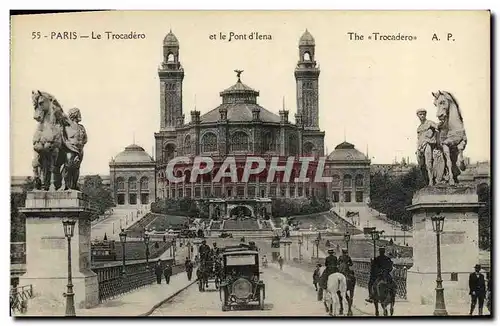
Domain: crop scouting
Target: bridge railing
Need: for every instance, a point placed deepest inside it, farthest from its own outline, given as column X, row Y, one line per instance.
column 113, row 283
column 361, row 268
column 19, row 297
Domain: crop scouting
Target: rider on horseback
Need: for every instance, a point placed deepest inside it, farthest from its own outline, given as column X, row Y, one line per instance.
column 344, row 262
column 381, row 268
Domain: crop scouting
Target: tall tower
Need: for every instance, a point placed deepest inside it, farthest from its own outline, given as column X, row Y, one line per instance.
column 171, row 75
column 306, row 76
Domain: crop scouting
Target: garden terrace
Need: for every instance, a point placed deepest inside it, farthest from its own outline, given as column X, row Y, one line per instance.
column 363, row 248
column 136, row 250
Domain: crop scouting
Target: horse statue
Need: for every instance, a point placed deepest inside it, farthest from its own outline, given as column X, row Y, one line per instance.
column 335, row 291
column 58, row 143
column 451, row 139
column 350, row 284
column 384, row 294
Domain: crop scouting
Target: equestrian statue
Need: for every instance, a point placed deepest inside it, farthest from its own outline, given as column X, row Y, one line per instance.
column 440, row 145
column 57, row 143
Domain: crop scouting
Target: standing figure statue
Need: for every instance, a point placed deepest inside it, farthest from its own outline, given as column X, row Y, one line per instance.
column 74, row 138
column 58, row 141
column 426, row 143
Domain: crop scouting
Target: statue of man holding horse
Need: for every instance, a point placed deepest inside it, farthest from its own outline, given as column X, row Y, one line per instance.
column 440, row 148
column 58, row 143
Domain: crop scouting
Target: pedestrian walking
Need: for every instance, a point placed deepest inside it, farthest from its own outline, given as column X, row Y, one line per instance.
column 168, row 272
column 316, row 276
column 189, row 268
column 280, row 261
column 477, row 289
column 158, row 271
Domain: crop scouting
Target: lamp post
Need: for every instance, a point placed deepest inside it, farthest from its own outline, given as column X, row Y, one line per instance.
column 69, row 228
column 300, row 249
column 347, row 238
column 317, row 247
column 123, row 239
column 405, row 228
column 146, row 243
column 437, row 226
column 375, row 236
column 174, row 244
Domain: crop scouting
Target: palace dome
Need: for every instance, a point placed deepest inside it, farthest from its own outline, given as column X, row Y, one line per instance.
column 240, row 101
column 306, row 39
column 131, row 155
column 346, row 152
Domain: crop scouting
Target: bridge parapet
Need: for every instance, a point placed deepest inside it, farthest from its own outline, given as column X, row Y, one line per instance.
column 113, row 283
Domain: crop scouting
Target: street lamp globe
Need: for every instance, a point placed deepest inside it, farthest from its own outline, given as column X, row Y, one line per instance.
column 123, row 236
column 437, row 223
column 347, row 237
column 375, row 235
column 316, row 241
column 69, row 228
column 146, row 239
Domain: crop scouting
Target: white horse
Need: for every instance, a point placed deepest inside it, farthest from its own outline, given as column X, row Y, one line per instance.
column 337, row 283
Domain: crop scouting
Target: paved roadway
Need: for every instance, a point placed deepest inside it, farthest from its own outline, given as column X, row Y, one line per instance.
column 285, row 296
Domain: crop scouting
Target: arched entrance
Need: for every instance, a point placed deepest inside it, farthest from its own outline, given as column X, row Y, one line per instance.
column 241, row 211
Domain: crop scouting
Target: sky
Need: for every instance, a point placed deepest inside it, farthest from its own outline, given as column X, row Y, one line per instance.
column 369, row 90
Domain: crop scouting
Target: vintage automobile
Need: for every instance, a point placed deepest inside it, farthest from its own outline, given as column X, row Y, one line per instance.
column 241, row 284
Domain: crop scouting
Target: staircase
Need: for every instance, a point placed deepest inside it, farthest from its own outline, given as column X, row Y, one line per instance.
column 113, row 223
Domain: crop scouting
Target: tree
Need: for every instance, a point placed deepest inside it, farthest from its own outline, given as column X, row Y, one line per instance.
column 484, row 216
column 17, row 219
column 391, row 195
column 99, row 195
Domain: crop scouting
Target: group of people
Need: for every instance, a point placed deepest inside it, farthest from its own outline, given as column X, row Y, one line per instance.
column 163, row 270
column 333, row 264
column 381, row 267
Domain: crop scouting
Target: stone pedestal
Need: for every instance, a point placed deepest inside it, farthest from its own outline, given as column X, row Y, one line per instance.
column 47, row 249
column 459, row 243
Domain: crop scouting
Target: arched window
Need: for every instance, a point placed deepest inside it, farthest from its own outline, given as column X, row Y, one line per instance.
column 336, row 181
column 170, row 57
column 187, row 176
column 307, row 56
column 120, row 183
column 359, row 180
column 268, row 142
column 168, row 152
column 209, row 142
column 308, row 149
column 292, row 144
column 144, row 183
column 187, row 145
column 347, row 181
column 239, row 141
column 132, row 183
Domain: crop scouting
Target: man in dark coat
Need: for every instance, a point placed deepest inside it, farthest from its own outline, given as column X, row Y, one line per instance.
column 316, row 276
column 381, row 267
column 204, row 250
column 188, row 264
column 168, row 272
column 331, row 262
column 158, row 271
column 477, row 289
column 344, row 262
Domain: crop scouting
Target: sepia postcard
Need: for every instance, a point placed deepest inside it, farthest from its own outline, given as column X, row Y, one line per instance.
column 251, row 163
